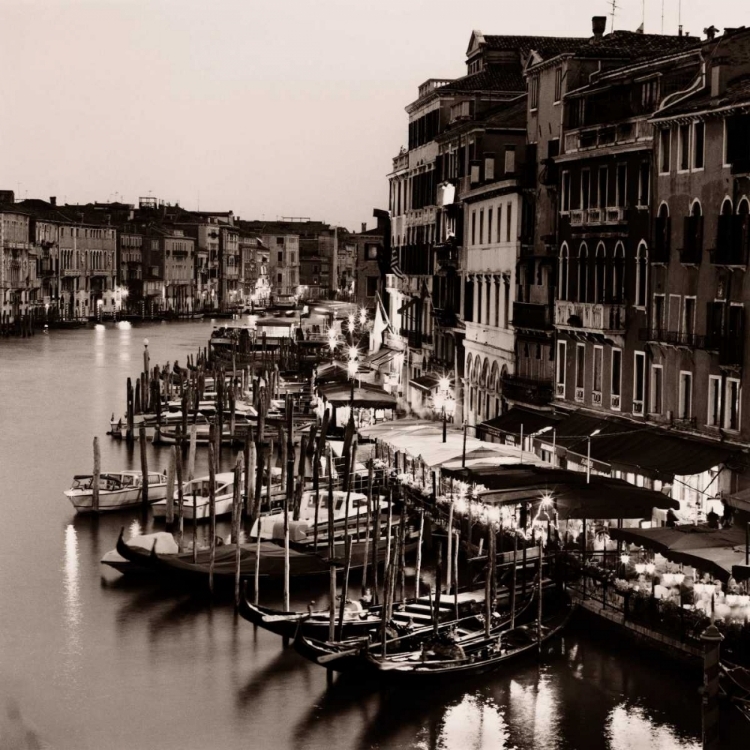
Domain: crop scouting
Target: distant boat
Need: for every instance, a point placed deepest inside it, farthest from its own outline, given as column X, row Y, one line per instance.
column 223, row 494
column 117, row 490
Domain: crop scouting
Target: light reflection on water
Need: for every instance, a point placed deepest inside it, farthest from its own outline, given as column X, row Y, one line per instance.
column 130, row 651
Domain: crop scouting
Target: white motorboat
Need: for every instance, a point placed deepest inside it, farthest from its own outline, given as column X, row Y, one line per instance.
column 224, row 495
column 118, row 489
column 271, row 522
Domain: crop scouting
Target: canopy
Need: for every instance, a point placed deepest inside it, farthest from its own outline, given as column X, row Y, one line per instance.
column 601, row 498
column 517, row 418
column 421, row 437
column 711, row 550
column 340, row 394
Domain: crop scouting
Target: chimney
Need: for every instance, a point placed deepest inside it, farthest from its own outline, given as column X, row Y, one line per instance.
column 53, row 200
column 599, row 25
column 364, row 227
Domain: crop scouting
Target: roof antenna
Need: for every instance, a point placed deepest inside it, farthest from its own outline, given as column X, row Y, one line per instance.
column 662, row 16
column 614, row 8
column 679, row 17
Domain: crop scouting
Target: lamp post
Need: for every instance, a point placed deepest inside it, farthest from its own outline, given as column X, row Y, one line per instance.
column 445, row 403
column 588, row 455
column 352, row 368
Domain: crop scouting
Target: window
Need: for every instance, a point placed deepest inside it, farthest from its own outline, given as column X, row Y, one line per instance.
column 580, row 370
column 278, row 278
column 372, row 286
column 699, row 142
column 473, row 227
column 279, row 240
column 644, row 183
column 622, row 181
column 602, row 189
column 481, row 227
column 641, row 275
column 560, row 367
column 685, row 408
column 657, row 384
column 558, row 83
column 497, row 303
column 499, row 221
column 510, row 159
column 281, row 256
column 489, row 225
column 649, row 93
column 639, row 382
column 562, row 291
column 585, row 188
column 565, row 197
column 508, row 221
column 688, row 319
column 714, row 401
column 657, row 313
column 489, row 167
column 732, row 401
column 598, row 362
column 616, row 378
column 534, row 91
column 684, row 148
column 506, row 301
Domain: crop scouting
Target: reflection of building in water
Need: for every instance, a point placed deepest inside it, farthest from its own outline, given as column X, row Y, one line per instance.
column 536, row 708
column 474, row 722
column 73, row 613
column 629, row 727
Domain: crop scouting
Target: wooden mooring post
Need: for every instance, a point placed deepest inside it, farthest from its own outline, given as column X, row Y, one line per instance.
column 96, row 477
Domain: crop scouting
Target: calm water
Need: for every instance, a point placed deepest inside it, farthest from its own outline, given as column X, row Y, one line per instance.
column 89, row 660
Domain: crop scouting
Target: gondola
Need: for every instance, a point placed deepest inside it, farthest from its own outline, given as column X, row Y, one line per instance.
column 469, row 656
column 735, row 682
column 353, row 654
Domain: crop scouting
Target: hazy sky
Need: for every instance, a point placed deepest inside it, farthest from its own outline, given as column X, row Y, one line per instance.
column 286, row 108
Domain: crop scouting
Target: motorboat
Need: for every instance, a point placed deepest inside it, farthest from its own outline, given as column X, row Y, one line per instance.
column 199, row 488
column 117, row 490
column 271, row 523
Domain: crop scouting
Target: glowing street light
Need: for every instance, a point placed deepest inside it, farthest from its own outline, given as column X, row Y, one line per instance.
column 363, row 316
column 444, row 402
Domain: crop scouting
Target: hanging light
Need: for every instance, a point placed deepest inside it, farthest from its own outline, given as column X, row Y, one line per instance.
column 650, row 568
column 640, row 568
column 625, row 558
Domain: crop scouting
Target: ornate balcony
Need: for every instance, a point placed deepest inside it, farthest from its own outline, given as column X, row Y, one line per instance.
column 529, row 315
column 594, row 317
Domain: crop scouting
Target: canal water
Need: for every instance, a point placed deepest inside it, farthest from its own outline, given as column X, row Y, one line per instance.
column 90, row 660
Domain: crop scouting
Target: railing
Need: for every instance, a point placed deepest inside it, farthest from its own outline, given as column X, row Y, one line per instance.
column 530, row 315
column 576, row 217
column 560, row 390
column 448, row 256
column 594, row 136
column 595, row 316
column 594, row 216
column 675, row 338
column 615, row 215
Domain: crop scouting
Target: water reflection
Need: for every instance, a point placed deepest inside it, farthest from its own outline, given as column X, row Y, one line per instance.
column 630, row 728
column 73, row 609
column 474, row 722
column 536, row 708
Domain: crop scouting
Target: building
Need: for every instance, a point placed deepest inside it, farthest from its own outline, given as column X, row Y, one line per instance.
column 283, row 262
column 254, row 256
column 19, row 284
column 370, row 256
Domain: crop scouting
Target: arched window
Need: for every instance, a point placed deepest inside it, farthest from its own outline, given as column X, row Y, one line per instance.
column 618, row 274
column 641, row 275
column 477, row 369
column 743, row 229
column 468, row 371
column 692, row 250
column 583, row 273
column 662, row 235
column 562, row 291
column 485, row 373
column 600, row 279
column 494, row 384
column 725, row 245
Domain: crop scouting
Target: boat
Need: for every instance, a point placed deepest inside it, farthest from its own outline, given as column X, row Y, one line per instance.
column 271, row 524
column 160, row 541
column 735, row 684
column 117, row 490
column 452, row 657
column 223, row 495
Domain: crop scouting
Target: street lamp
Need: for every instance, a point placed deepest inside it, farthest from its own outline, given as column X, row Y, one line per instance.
column 363, row 316
column 444, row 402
column 588, row 455
column 352, row 368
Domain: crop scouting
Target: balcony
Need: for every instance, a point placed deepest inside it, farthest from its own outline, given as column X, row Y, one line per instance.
column 577, row 217
column 534, row 316
column 415, row 339
column 527, row 390
column 596, row 317
column 448, row 256
column 580, row 217
column 602, row 136
column 673, row 338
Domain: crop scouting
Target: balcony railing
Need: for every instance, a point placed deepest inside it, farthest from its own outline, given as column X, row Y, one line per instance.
column 592, row 316
column 448, row 256
column 530, row 315
column 415, row 339
column 528, row 390
column 599, row 136
column 592, row 216
column 730, row 348
column 675, row 338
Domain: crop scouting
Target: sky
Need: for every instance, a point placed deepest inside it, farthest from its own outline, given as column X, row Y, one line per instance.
column 268, row 109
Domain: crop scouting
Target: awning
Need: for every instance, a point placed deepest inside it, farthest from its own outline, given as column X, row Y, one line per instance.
column 739, row 500
column 601, row 498
column 711, row 550
column 426, row 383
column 645, row 449
column 383, row 357
column 512, row 421
column 341, row 395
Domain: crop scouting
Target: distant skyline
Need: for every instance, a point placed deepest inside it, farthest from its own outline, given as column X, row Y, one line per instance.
column 267, row 109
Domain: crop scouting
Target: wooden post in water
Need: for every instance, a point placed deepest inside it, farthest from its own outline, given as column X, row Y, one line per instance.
column 438, row 578
column 513, row 582
column 144, row 466
column 236, row 523
column 389, row 528
column 95, row 478
column 368, row 526
column 493, row 564
column 257, row 556
column 191, row 452
column 180, row 501
column 171, row 469
column 345, row 588
column 288, row 496
column 455, row 575
column 332, row 562
column 711, row 638
column 539, row 601
column 376, row 551
column 268, row 478
column 402, row 555
column 417, row 582
column 488, row 587
column 195, row 527
column 130, row 407
column 448, row 577
column 212, row 512
column 249, row 462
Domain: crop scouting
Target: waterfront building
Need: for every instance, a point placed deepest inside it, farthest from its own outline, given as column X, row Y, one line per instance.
column 254, row 256
column 370, row 254
column 283, row 262
column 130, row 252
column 19, row 284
